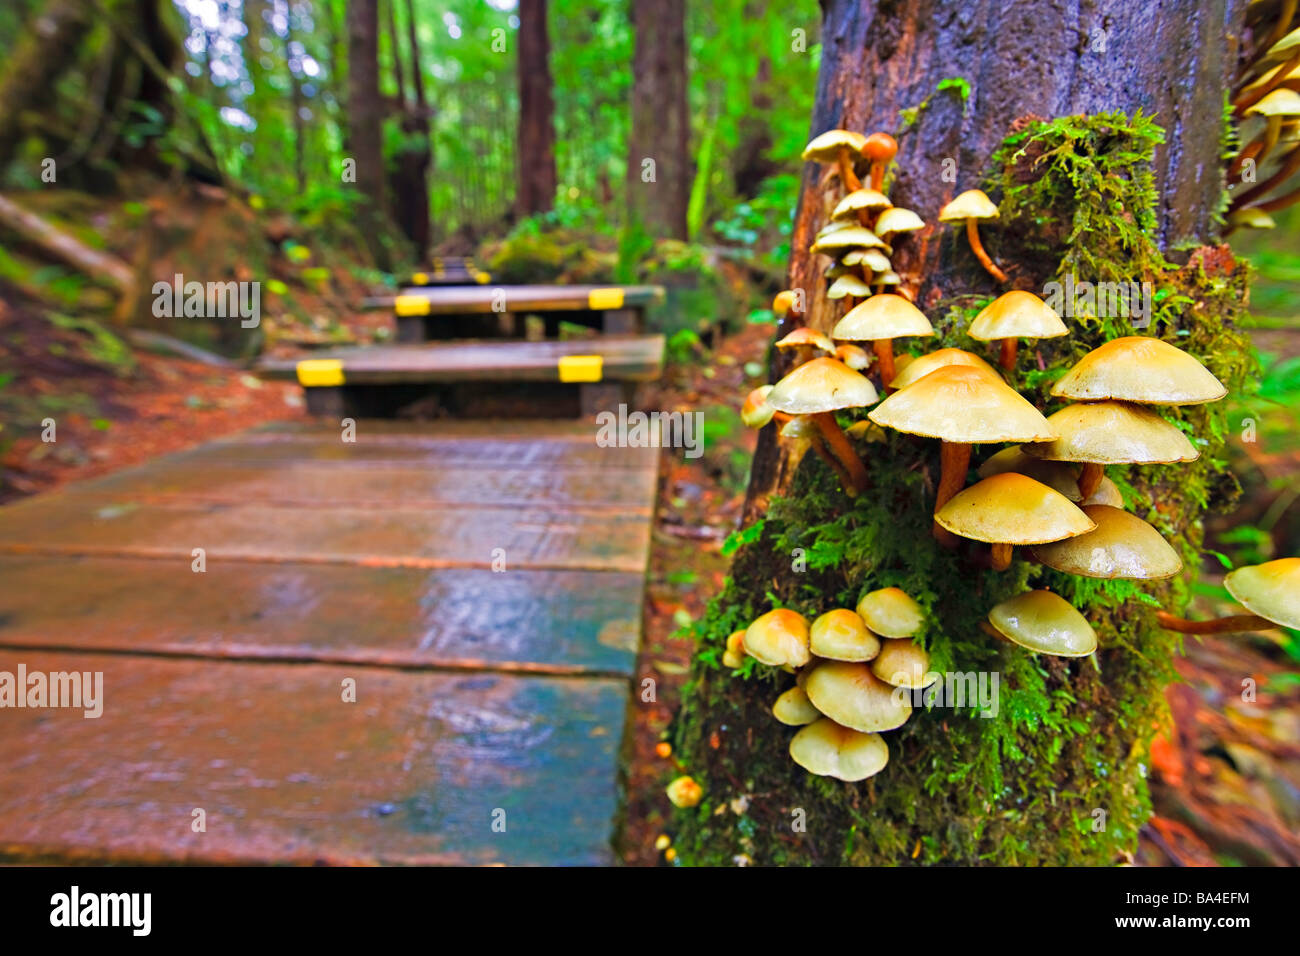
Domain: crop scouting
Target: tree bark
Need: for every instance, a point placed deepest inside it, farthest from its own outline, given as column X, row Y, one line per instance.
column 959, row 788
column 536, row 154
column 659, row 162
column 366, row 113
column 47, row 47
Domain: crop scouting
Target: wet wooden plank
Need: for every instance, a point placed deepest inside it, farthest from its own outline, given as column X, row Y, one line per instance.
column 635, row 358
column 414, row 772
column 528, row 537
column 382, row 485
column 563, row 622
column 435, row 451
column 460, row 300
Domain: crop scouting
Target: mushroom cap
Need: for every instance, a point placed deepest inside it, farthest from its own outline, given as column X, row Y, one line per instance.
column 902, row 663
column 1017, row 315
column 853, row 356
column 826, row 749
column 822, row 385
column 1251, row 218
column 868, row 199
column 734, row 655
column 806, row 336
column 866, row 431
column 1288, row 42
column 1107, row 493
column 685, row 792
column 897, row 219
column 801, row 427
column 960, row 403
column 847, row 285
column 1057, row 475
column 890, row 612
column 778, row 638
column 756, row 412
column 836, row 225
column 972, row 204
column 1113, row 433
column 850, row 237
column 1271, row 590
column 923, row 365
column 783, row 302
column 880, row 147
column 1121, row 546
column 840, row 635
column 851, row 695
column 888, row 278
column 794, row 709
column 1280, row 102
column 1046, row 623
column 875, row 260
column 1012, row 509
column 1138, row 368
column 883, row 316
column 827, row 146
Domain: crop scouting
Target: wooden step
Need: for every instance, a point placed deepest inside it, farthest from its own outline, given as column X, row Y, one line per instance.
column 416, row 771
column 633, row 358
column 463, row 300
column 533, row 621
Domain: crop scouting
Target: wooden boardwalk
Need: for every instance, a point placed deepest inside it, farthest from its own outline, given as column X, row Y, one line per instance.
column 479, row 584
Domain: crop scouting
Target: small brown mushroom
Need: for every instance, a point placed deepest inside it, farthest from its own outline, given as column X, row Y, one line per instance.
column 970, row 207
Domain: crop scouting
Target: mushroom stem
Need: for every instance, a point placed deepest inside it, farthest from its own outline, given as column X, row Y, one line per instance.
column 1008, row 357
column 848, row 177
column 884, row 349
column 877, row 175
column 1219, row 625
column 1248, row 153
column 954, row 462
column 1280, row 75
column 1284, row 172
column 1281, row 202
column 1272, row 131
column 842, row 448
column 1090, row 478
column 973, row 235
column 1002, row 556
column 819, row 446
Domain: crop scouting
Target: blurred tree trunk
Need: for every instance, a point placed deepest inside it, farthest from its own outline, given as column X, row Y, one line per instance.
column 409, row 176
column 365, row 134
column 535, row 156
column 659, row 161
column 1032, row 60
column 47, row 47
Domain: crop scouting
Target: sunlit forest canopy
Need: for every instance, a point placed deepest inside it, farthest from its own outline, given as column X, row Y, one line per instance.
column 264, row 89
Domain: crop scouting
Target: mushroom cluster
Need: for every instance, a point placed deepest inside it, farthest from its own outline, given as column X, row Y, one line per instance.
column 1266, row 102
column 849, row 665
column 1042, row 488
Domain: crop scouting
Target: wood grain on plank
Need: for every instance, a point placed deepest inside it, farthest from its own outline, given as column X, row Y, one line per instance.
column 527, row 537
column 415, row 771
column 553, row 621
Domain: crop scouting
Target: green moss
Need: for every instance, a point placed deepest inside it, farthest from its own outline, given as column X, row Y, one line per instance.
column 1069, row 743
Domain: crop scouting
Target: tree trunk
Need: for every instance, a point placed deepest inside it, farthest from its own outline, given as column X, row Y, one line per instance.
column 1057, row 775
column 366, row 115
column 536, row 154
column 659, row 164
column 47, row 47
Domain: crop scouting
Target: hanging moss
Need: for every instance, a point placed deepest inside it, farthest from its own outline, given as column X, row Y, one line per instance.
column 1057, row 776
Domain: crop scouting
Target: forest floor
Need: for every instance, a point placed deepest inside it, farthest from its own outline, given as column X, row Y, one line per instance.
column 1225, row 782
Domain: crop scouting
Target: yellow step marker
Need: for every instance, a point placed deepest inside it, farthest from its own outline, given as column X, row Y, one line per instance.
column 599, row 299
column 420, row 278
column 411, row 305
column 318, row 372
column 581, row 368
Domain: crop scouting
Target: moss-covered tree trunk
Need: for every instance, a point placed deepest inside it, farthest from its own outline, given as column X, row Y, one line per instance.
column 1099, row 129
